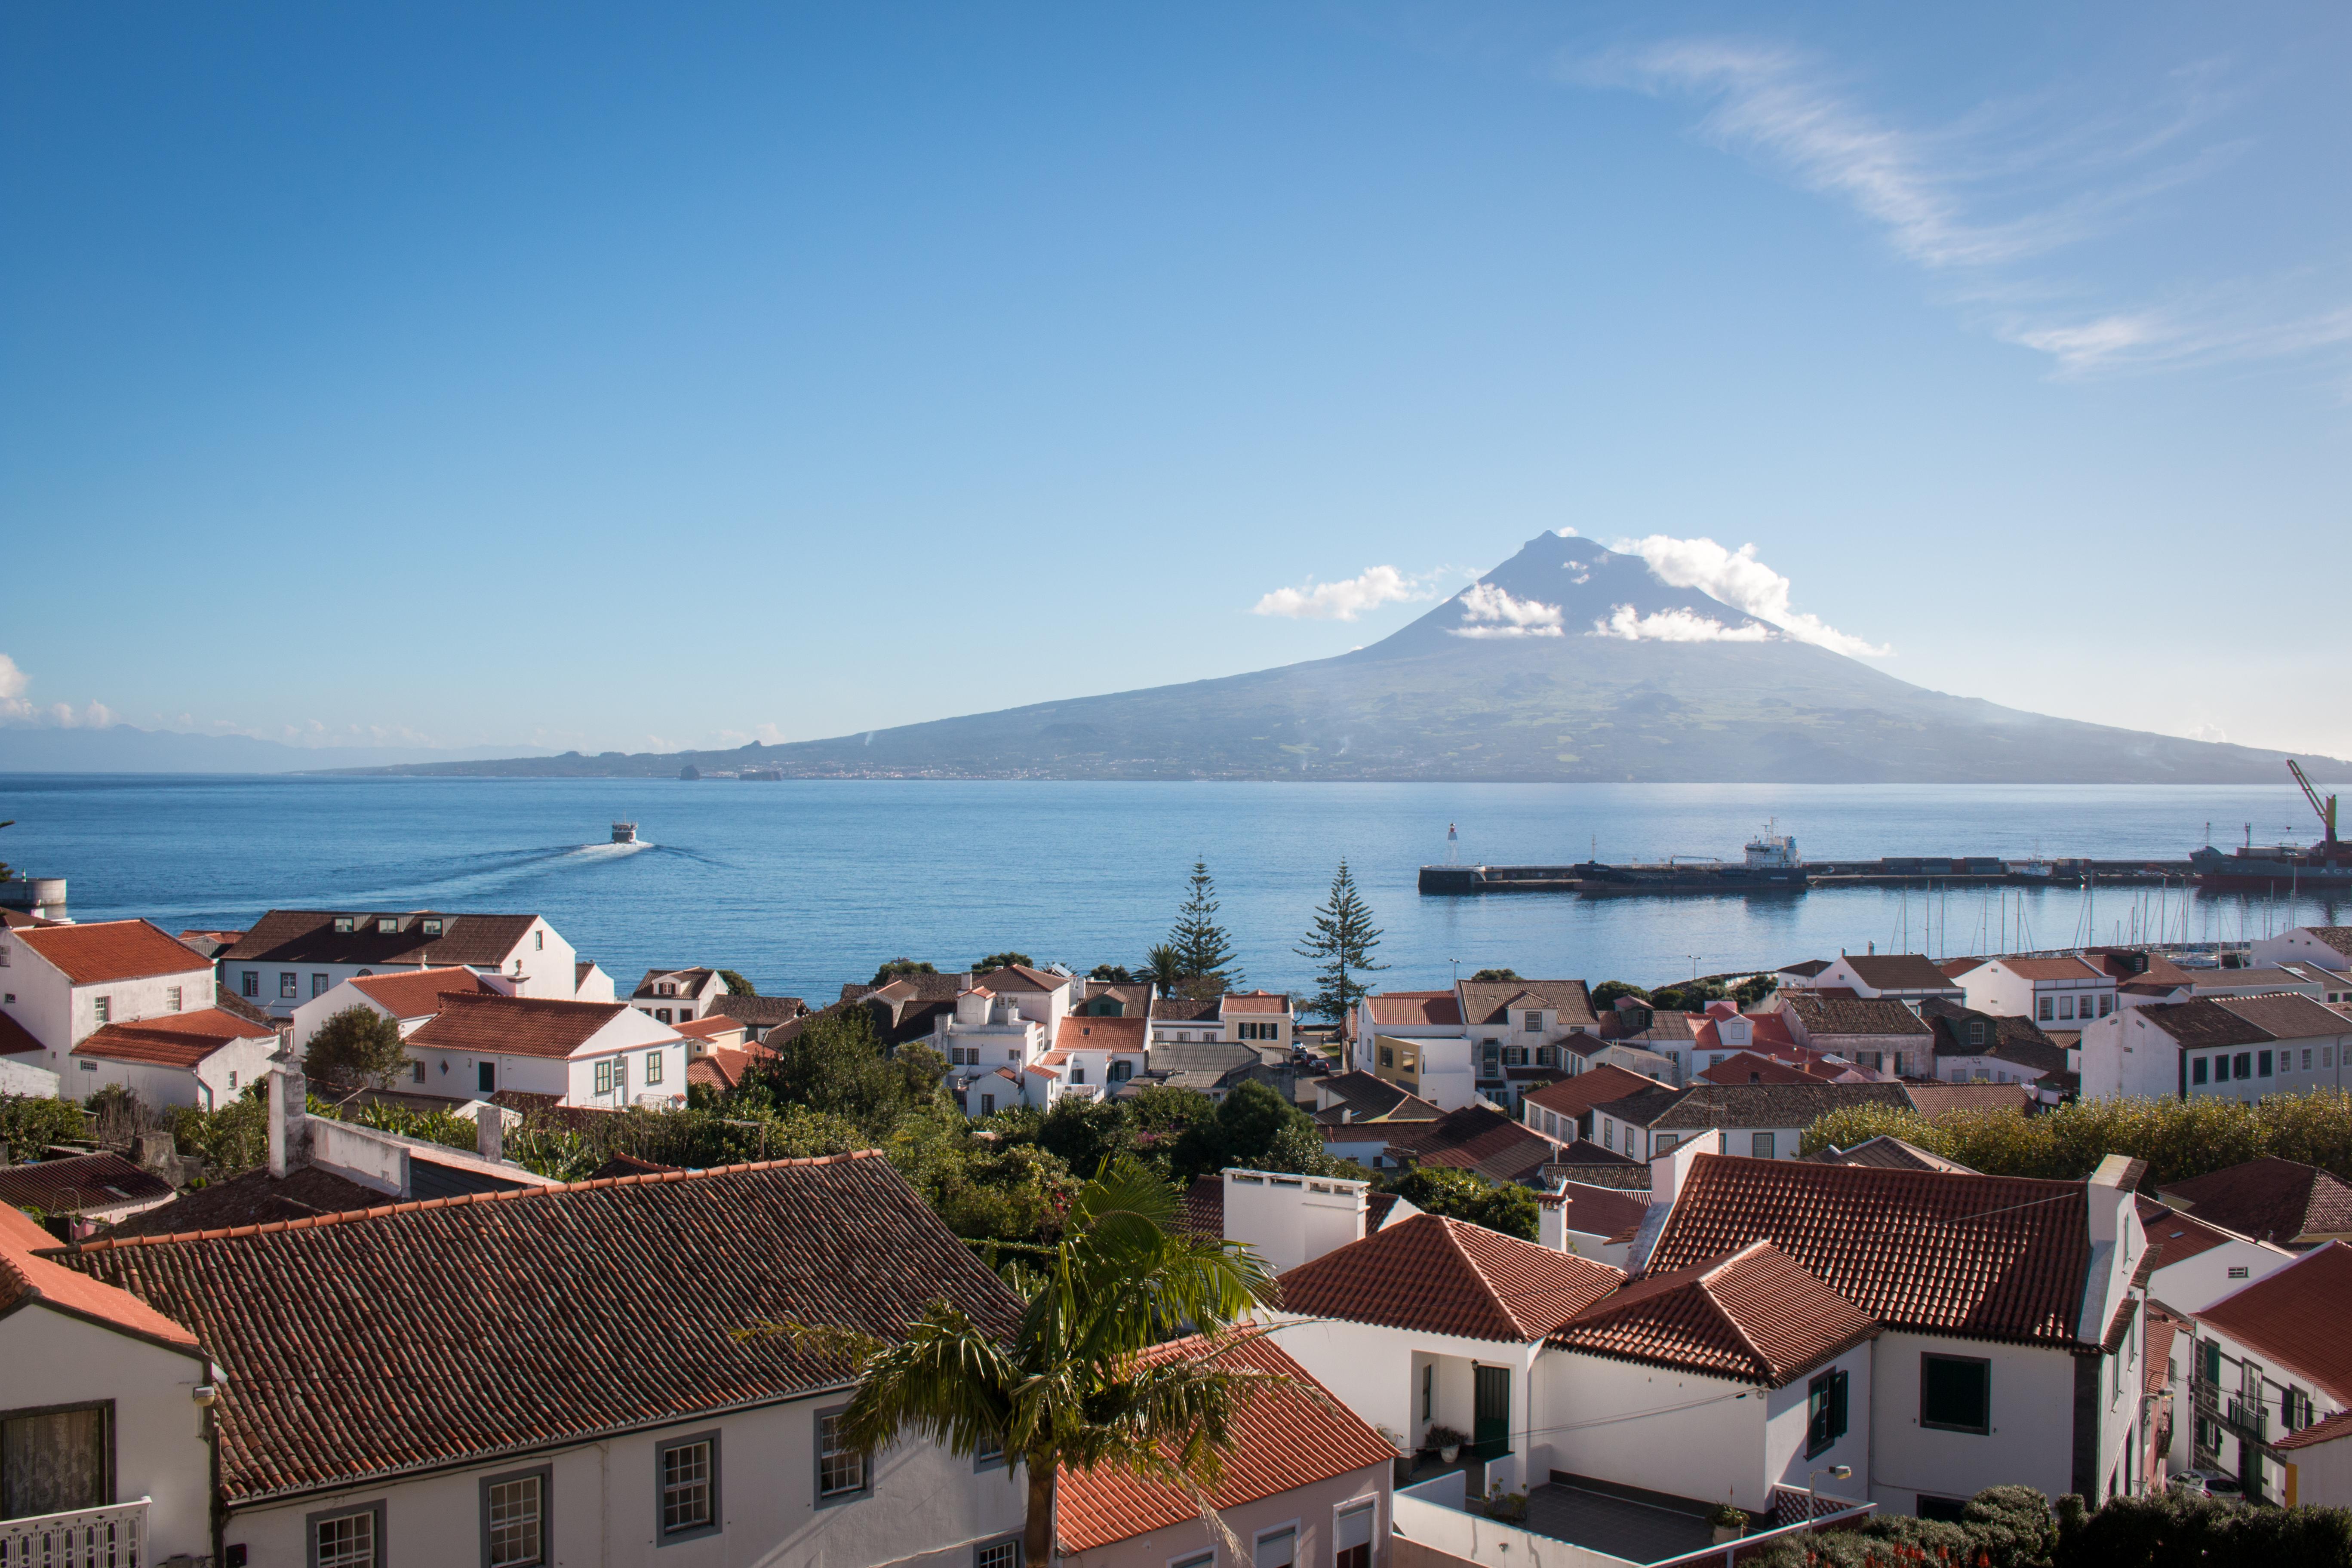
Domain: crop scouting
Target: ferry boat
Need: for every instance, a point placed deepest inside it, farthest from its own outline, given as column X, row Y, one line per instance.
column 625, row 833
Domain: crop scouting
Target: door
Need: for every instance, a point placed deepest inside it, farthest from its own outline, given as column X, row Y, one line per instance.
column 486, row 1077
column 54, row 1462
column 1491, row 1411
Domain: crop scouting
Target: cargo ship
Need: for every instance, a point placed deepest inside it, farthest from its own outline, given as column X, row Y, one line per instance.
column 1770, row 864
column 2252, row 867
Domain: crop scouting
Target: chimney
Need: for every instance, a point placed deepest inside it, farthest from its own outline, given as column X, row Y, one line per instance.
column 1292, row 1219
column 289, row 1133
column 489, row 1131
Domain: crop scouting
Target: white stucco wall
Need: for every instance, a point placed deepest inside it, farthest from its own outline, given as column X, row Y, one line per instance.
column 2298, row 945
column 1788, row 1417
column 926, row 1507
column 159, row 1442
column 220, row 1078
column 2321, row 1475
column 1648, row 1427
column 2031, row 1440
column 2196, row 1283
column 61, row 1015
column 1376, row 1373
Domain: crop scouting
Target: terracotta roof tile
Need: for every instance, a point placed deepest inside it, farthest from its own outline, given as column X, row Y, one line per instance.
column 315, row 1321
column 254, row 1197
column 2324, row 1431
column 1255, row 1001
column 1755, row 1315
column 2285, row 1015
column 1747, row 1067
column 1021, row 977
column 1475, row 1137
column 172, row 1039
column 1444, row 1276
column 417, row 993
column 1890, row 1154
column 2270, row 1199
column 1597, row 1211
column 2296, row 1316
column 760, row 1011
column 1281, row 1440
column 2202, row 1022
column 1822, row 1013
column 87, row 1183
column 516, row 1025
column 2052, row 968
column 1077, row 1032
column 1897, row 971
column 1593, row 1086
column 1935, row 1099
column 1487, row 1001
column 1398, row 1010
column 309, row 936
column 1996, row 1257
column 27, row 1276
column 112, row 950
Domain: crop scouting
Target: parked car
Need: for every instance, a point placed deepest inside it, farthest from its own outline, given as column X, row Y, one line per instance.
column 2209, row 1483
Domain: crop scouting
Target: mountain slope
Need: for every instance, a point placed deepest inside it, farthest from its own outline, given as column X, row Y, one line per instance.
column 1510, row 680
column 127, row 749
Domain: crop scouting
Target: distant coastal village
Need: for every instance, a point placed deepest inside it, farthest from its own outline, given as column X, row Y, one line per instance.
column 358, row 1236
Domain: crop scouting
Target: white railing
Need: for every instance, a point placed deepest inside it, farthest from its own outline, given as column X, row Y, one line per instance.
column 113, row 1537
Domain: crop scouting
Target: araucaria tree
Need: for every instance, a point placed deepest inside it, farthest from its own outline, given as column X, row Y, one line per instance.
column 357, row 1048
column 1072, row 1386
column 1204, row 950
column 1341, row 942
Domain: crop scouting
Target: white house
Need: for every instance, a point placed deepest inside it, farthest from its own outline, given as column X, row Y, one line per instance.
column 1757, row 1121
column 1884, row 1034
column 203, row 1058
column 602, row 1054
column 2323, row 947
column 291, row 955
column 677, row 995
column 1896, row 977
column 2068, row 992
column 2269, row 1361
column 407, row 996
column 2233, row 1048
column 990, row 1042
column 2195, row 1262
column 60, row 985
column 709, row 1451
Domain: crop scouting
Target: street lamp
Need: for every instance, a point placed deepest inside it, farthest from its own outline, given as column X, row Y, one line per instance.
column 1813, row 1504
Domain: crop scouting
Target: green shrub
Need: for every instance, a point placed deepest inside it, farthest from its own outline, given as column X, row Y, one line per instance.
column 30, row 1124
column 2177, row 1531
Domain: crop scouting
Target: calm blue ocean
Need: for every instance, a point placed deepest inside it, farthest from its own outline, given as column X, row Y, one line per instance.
column 804, row 885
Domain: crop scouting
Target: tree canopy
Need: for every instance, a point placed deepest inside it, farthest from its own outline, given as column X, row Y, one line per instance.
column 1493, row 976
column 1006, row 959
column 1341, row 942
column 358, row 1048
column 736, row 985
column 1468, row 1195
column 899, row 966
column 1204, row 950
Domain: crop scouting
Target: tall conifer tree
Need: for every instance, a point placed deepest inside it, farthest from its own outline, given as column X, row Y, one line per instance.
column 1204, row 950
column 1341, row 942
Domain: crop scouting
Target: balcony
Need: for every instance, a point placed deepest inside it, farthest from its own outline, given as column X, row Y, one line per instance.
column 113, row 1537
column 2241, row 1417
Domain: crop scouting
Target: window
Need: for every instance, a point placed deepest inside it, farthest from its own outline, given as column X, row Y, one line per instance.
column 54, row 1461
column 1761, row 1145
column 1955, row 1392
column 1824, row 1412
column 2065, row 1006
column 1428, row 1390
column 104, row 1007
column 1388, row 1057
column 352, row 1537
column 232, row 1078
column 1666, row 1142
column 688, row 1474
column 1351, row 1535
column 1534, row 1024
column 252, row 986
column 89, row 1067
column 289, row 984
column 661, row 1015
column 2197, row 1070
column 317, row 985
column 652, row 1066
column 2262, row 1064
column 538, row 942
column 2327, row 1056
column 988, row 1105
column 989, row 1454
column 840, row 1469
column 1976, row 1031
column 1515, row 1056
column 514, row 1519
column 2106, row 1005
column 2045, row 1010
column 1608, row 1133
column 1004, row 1553
column 486, row 1078
column 604, row 1077
column 2245, row 1061
column 343, row 925
column 1546, row 1056
column 2237, row 1271
column 386, row 925
column 2307, row 1058
column 430, row 928
column 1277, row 1549
column 416, row 1073
column 171, row 1005
column 1198, row 1560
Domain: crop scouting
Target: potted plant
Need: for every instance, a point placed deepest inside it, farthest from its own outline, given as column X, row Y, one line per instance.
column 1730, row 1522
column 1446, row 1440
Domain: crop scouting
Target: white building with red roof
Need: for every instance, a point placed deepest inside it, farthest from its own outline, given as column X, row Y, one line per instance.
column 604, row 1056
column 2270, row 1360
column 61, row 983
column 408, row 997
column 203, row 1058
column 2067, row 991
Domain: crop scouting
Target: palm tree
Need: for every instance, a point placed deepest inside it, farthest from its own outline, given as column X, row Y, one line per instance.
column 1164, row 967
column 1073, row 1386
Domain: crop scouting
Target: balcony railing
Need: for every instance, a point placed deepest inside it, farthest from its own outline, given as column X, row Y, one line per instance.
column 2231, row 1408
column 114, row 1537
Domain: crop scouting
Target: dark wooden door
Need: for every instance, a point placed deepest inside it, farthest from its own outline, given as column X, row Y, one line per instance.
column 1491, row 1411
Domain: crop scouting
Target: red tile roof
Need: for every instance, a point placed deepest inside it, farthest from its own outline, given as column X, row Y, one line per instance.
column 1443, row 1276
column 112, row 950
column 491, row 1024
column 709, row 1028
column 1995, row 1258
column 2296, row 1317
column 1747, row 1067
column 2052, row 968
column 1896, row 970
column 309, row 936
column 1475, row 1137
column 1593, row 1086
column 2270, row 1199
column 1597, row 1211
column 2326, row 1431
column 417, row 993
column 86, row 1183
column 1935, row 1099
column 172, row 1039
column 722, row 1069
column 1019, row 977
column 26, row 1277
column 1410, row 1009
column 1255, row 1002
column 315, row 1321
column 1754, row 1315
column 1280, row 1440
column 1078, row 1033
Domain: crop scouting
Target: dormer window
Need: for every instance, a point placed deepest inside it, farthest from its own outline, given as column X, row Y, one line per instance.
column 432, row 928
column 1976, row 1031
column 343, row 924
column 386, row 925
column 1535, row 1023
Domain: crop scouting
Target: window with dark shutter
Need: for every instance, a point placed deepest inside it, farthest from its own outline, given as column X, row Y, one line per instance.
column 1824, row 1412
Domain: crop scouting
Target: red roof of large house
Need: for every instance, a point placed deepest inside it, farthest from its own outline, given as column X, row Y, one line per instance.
column 112, row 950
column 1076, row 1032
column 1282, row 1439
column 2296, row 1317
column 1255, row 1002
column 1749, row 1066
column 1995, row 1258
column 417, row 993
column 1754, row 1315
column 492, row 1025
column 1475, row 1137
column 1443, row 1276
column 26, row 1279
column 1593, row 1086
column 2270, row 1199
column 172, row 1039
column 1407, row 1009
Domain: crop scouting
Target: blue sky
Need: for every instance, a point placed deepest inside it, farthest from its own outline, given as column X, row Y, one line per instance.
column 670, row 376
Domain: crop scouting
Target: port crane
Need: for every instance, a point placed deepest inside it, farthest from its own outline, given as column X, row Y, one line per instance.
column 2325, row 808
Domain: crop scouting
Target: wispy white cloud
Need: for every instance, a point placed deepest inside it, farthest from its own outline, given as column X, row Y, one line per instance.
column 1348, row 597
column 1982, row 201
column 1675, row 626
column 1735, row 577
column 16, row 707
column 1489, row 611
